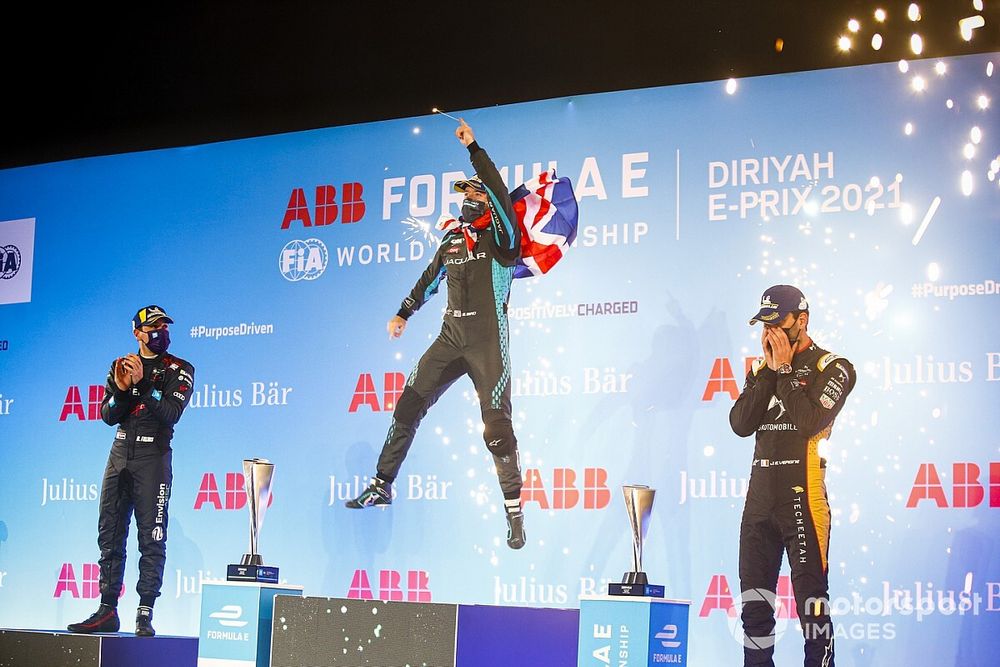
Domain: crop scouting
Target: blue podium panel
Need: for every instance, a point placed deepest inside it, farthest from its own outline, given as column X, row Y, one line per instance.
column 544, row 636
column 235, row 629
column 630, row 631
column 31, row 648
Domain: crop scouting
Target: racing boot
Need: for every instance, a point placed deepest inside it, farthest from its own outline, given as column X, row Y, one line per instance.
column 144, row 622
column 515, row 529
column 378, row 493
column 105, row 619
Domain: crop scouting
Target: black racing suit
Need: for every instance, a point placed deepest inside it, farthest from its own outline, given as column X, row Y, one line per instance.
column 786, row 508
column 138, row 474
column 474, row 334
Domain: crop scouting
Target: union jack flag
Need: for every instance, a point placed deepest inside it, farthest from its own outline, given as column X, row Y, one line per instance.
column 547, row 213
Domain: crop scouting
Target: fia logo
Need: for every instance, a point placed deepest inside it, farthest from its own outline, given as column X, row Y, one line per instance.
column 229, row 616
column 303, row 260
column 10, row 261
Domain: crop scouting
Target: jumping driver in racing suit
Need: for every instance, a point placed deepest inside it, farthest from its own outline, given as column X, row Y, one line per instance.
column 790, row 400
column 145, row 396
column 477, row 256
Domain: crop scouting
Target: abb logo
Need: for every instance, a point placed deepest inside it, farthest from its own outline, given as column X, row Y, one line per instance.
column 719, row 597
column 565, row 493
column 966, row 488
column 390, row 586
column 235, row 492
column 365, row 392
column 73, row 406
column 67, row 582
column 722, row 380
column 351, row 207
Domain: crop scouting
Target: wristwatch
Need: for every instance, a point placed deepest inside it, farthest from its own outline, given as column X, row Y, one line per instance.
column 785, row 369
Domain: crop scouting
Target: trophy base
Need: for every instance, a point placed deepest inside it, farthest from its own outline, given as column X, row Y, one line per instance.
column 263, row 574
column 635, row 578
column 251, row 559
column 637, row 590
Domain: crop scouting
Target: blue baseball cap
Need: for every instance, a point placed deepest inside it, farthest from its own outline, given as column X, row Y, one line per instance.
column 778, row 301
column 147, row 315
column 475, row 183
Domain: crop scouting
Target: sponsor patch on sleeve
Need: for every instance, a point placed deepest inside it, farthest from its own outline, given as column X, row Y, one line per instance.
column 826, row 401
column 833, row 389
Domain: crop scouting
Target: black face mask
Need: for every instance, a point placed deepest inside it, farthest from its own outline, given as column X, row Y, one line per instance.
column 788, row 333
column 159, row 341
column 472, row 210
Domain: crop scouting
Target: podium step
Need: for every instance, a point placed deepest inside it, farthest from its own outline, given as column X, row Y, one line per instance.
column 337, row 632
column 30, row 648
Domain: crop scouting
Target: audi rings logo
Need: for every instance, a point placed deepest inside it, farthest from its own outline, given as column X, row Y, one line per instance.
column 303, row 260
column 10, row 261
column 774, row 606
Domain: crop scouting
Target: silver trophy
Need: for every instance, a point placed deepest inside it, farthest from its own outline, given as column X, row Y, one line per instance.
column 639, row 505
column 257, row 476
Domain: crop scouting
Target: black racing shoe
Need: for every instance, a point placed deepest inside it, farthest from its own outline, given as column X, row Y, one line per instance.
column 378, row 493
column 515, row 529
column 105, row 619
column 144, row 622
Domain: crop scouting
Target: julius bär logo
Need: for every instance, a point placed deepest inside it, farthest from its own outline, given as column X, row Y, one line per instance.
column 722, row 380
column 351, row 208
column 366, row 394
column 73, row 405
column 967, row 489
column 565, row 494
column 390, row 586
column 303, row 260
column 10, row 261
column 233, row 496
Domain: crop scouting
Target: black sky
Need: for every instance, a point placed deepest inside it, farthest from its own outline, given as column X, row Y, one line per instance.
column 89, row 81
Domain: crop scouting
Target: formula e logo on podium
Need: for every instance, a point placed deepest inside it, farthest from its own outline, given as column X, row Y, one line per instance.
column 229, row 616
column 10, row 261
column 303, row 260
column 352, row 206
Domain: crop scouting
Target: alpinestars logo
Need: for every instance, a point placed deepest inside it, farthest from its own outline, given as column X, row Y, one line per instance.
column 10, row 261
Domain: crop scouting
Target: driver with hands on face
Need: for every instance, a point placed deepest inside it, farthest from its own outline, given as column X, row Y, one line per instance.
column 789, row 401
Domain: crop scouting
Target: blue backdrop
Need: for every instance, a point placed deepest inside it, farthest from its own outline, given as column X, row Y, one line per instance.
column 627, row 357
